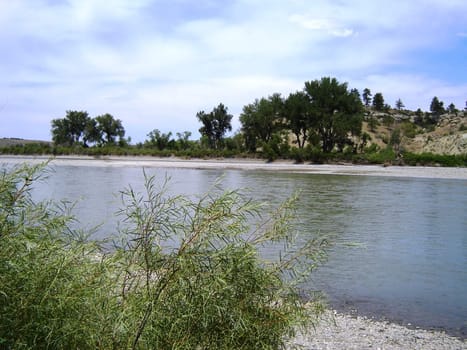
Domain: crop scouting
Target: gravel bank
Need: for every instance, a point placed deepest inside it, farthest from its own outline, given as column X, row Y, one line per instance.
column 337, row 331
column 248, row 164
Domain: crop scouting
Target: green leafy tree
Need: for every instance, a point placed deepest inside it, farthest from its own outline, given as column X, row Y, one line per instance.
column 183, row 142
column 296, row 110
column 61, row 132
column 159, row 140
column 215, row 125
column 366, row 97
column 336, row 112
column 378, row 102
column 91, row 133
column 70, row 130
column 261, row 119
column 109, row 129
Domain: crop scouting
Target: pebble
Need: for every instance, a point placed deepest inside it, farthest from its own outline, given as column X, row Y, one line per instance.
column 338, row 331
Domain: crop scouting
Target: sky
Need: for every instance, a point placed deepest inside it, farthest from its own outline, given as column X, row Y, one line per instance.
column 154, row 64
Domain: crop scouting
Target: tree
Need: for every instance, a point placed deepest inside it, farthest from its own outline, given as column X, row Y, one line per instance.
column 334, row 110
column 366, row 97
column 261, row 119
column 215, row 125
column 109, row 129
column 452, row 108
column 437, row 106
column 69, row 130
column 378, row 102
column 61, row 132
column 296, row 110
column 91, row 133
column 159, row 140
column 183, row 142
column 399, row 104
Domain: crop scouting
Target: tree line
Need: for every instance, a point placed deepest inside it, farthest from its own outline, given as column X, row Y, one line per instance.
column 324, row 118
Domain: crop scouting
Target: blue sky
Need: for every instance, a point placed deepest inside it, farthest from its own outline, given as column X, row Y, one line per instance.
column 155, row 63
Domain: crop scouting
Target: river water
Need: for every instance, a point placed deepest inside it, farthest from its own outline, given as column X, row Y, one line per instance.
column 400, row 244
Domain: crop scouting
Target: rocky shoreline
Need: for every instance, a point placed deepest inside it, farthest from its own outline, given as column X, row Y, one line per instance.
column 339, row 331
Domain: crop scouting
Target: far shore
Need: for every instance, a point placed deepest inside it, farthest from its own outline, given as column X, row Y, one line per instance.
column 248, row 165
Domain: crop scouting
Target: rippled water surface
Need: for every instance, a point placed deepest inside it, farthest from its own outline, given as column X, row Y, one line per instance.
column 400, row 247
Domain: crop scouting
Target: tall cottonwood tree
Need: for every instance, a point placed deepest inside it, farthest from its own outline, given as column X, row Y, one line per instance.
column 296, row 114
column 215, row 125
column 261, row 119
column 78, row 128
column 109, row 129
column 70, row 130
column 335, row 111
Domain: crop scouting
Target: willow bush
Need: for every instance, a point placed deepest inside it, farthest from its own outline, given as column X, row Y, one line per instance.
column 187, row 273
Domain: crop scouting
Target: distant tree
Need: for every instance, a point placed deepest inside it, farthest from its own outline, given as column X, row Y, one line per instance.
column 159, row 140
column 356, row 93
column 91, row 133
column 418, row 117
column 452, row 109
column 109, row 129
column 70, row 130
column 336, row 112
column 366, row 97
column 215, row 125
column 399, row 104
column 296, row 113
column 378, row 102
column 261, row 119
column 61, row 132
column 183, row 142
column 437, row 106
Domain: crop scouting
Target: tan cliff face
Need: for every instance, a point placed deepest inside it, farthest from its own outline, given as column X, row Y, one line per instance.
column 448, row 136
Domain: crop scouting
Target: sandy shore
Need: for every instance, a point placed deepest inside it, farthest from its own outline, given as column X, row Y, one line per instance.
column 249, row 165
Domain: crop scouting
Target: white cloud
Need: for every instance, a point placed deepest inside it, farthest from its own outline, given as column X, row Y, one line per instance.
column 321, row 24
column 155, row 63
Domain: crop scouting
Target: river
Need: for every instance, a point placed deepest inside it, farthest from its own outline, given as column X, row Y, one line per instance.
column 399, row 243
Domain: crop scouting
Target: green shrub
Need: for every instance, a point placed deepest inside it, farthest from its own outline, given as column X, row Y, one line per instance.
column 187, row 274
column 435, row 159
column 409, row 129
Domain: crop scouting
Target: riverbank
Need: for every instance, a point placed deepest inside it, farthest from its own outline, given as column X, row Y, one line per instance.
column 250, row 165
column 338, row 331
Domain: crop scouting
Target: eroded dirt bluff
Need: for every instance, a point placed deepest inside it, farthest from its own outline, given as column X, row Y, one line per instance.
column 448, row 136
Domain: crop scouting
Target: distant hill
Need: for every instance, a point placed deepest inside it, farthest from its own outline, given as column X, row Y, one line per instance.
column 13, row 141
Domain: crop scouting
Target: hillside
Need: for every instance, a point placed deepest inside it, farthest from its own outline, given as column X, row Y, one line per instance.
column 448, row 136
